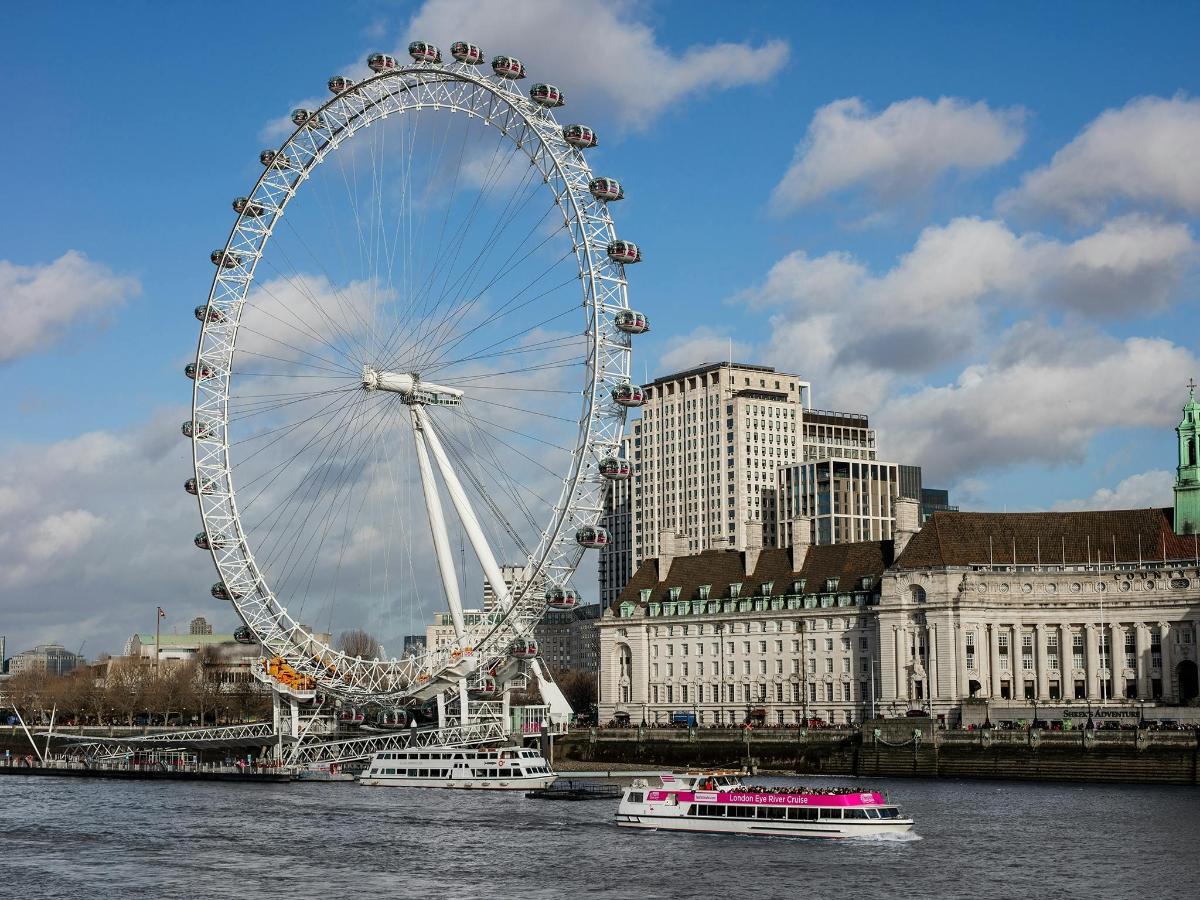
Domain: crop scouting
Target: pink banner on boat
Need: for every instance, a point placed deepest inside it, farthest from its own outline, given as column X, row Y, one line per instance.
column 867, row 798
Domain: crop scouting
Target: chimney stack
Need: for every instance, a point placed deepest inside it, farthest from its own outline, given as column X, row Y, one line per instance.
column 908, row 521
column 666, row 553
column 754, row 543
column 801, row 539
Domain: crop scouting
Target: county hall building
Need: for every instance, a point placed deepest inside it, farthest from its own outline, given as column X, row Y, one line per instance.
column 1096, row 608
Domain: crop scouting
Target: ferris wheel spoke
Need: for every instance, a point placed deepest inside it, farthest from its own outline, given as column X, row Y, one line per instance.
column 509, row 307
column 438, row 331
column 492, row 437
column 329, row 364
column 326, row 503
column 249, row 410
column 422, row 311
column 445, row 333
column 483, row 352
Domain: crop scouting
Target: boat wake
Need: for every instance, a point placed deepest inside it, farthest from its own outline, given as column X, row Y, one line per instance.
column 891, row 837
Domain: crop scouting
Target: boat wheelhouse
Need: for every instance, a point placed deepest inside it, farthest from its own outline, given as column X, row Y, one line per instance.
column 720, row 802
column 506, row 769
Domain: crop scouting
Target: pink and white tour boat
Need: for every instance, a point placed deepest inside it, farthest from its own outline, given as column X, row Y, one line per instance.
column 720, row 802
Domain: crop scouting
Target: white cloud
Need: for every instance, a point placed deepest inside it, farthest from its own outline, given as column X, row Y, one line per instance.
column 935, row 304
column 898, row 152
column 38, row 303
column 1146, row 489
column 1041, row 397
column 600, row 52
column 703, row 345
column 1143, row 154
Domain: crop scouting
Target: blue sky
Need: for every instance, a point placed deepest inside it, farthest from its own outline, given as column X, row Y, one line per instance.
column 974, row 222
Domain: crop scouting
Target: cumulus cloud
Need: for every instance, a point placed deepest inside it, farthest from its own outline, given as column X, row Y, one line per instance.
column 39, row 303
column 703, row 345
column 1143, row 155
column 1146, row 489
column 898, row 152
column 1039, row 398
column 832, row 313
column 604, row 53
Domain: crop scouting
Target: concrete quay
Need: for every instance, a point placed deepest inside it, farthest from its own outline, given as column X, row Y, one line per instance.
column 899, row 748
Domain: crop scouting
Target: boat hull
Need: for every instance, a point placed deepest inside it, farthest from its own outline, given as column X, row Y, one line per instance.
column 714, row 825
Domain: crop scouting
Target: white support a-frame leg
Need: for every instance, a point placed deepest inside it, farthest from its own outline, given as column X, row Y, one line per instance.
column 437, row 524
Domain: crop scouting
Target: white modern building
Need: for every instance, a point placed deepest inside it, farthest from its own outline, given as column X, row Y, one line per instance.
column 845, row 498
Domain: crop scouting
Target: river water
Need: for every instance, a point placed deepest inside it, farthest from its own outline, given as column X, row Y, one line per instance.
column 98, row 839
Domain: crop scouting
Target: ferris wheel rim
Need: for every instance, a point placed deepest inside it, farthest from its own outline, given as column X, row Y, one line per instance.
column 267, row 617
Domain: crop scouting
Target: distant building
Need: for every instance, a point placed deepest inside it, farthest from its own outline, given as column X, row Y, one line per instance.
column 199, row 625
column 514, row 577
column 232, row 662
column 935, row 500
column 52, row 659
column 844, row 499
column 568, row 639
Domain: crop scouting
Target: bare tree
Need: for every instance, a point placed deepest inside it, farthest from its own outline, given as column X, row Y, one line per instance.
column 578, row 687
column 357, row 642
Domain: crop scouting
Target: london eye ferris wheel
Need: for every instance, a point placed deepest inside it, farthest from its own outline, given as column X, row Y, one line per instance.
column 413, row 368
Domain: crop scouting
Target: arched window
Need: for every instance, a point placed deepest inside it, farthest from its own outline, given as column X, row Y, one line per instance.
column 918, row 593
column 1191, row 451
column 625, row 668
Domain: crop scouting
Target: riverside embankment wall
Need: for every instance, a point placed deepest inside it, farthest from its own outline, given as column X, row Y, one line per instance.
column 1148, row 757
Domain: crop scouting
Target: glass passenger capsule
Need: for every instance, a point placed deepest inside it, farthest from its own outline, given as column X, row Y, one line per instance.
column 423, row 52
column 508, row 67
column 381, row 62
column 580, row 136
column 592, row 536
column 190, row 486
column 562, row 598
column 615, row 469
column 547, row 95
column 628, row 395
column 205, row 370
column 339, row 83
column 225, row 259
column 625, row 252
column 276, row 159
column 466, row 53
column 244, row 206
column 243, row 635
column 607, row 189
column 300, row 116
column 221, row 592
column 199, row 430
column 523, row 648
column 487, row 687
column 631, row 321
column 204, row 542
column 205, row 313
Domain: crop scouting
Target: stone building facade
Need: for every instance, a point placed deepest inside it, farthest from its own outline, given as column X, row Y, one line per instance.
column 1019, row 609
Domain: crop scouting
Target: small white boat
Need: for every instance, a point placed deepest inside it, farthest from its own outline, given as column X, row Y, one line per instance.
column 468, row 768
column 719, row 802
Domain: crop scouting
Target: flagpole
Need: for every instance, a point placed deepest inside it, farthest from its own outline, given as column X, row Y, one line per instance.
column 158, row 615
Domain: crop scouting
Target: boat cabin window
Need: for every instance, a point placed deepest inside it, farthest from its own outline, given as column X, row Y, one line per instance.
column 872, row 813
column 635, row 798
column 802, row 814
column 855, row 814
column 889, row 812
column 831, row 814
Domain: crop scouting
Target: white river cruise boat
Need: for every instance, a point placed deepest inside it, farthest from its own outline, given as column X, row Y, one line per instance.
column 470, row 768
column 720, row 802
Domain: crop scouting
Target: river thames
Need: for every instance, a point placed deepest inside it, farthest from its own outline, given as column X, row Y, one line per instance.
column 80, row 838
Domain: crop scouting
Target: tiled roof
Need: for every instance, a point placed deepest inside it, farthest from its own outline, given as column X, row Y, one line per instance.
column 1121, row 535
column 849, row 563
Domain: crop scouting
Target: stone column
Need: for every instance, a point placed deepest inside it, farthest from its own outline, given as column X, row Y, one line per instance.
column 931, row 670
column 901, row 681
column 1142, row 636
column 1116, row 659
column 963, row 688
column 1093, row 661
column 1167, row 671
column 994, row 661
column 1041, row 661
column 1066, row 662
